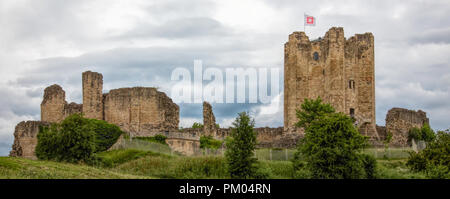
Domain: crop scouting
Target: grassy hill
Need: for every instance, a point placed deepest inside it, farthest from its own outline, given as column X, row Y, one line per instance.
column 132, row 163
column 20, row 168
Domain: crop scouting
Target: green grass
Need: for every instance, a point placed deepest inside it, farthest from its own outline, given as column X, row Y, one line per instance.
column 390, row 153
column 20, row 168
column 278, row 169
column 175, row 167
column 133, row 163
column 117, row 157
column 160, row 139
column 396, row 169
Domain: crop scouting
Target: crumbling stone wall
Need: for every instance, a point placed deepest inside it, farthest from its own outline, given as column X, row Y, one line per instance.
column 54, row 107
column 184, row 146
column 399, row 121
column 340, row 71
column 93, row 95
column 72, row 108
column 25, row 139
column 141, row 111
column 53, row 103
column 209, row 121
column 264, row 134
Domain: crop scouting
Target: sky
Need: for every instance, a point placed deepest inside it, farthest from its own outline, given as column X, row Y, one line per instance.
column 140, row 42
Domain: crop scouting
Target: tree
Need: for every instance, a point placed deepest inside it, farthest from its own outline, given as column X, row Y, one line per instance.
column 240, row 148
column 197, row 125
column 434, row 160
column 425, row 133
column 311, row 110
column 332, row 146
column 428, row 134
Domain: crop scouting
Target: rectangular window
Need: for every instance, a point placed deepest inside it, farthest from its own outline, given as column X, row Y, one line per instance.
column 352, row 112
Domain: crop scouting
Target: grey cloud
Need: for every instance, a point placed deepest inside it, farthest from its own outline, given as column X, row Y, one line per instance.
column 199, row 27
column 440, row 36
column 16, row 102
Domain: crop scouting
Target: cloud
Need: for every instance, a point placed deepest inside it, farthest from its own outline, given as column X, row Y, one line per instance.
column 139, row 43
column 181, row 28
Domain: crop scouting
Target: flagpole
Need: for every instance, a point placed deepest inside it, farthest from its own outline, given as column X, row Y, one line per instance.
column 304, row 23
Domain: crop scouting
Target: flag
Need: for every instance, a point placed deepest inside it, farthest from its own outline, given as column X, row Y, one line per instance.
column 310, row 20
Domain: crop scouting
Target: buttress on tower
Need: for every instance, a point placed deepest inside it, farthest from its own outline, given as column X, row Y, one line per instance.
column 340, row 71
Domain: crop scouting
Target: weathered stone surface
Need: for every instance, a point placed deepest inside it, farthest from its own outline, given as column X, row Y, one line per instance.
column 53, row 103
column 141, row 111
column 184, row 146
column 209, row 121
column 340, row 71
column 289, row 140
column 266, row 134
column 93, row 95
column 72, row 108
column 25, row 139
column 399, row 121
column 54, row 107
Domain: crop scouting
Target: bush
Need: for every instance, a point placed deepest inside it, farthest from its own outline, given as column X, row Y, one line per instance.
column 262, row 173
column 75, row 139
column 425, row 133
column 434, row 160
column 416, row 162
column 72, row 140
column 106, row 134
column 161, row 139
column 438, row 172
column 332, row 147
column 370, row 166
column 240, row 148
column 209, row 142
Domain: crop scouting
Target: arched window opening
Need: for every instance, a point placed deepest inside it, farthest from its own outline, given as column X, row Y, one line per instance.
column 316, row 56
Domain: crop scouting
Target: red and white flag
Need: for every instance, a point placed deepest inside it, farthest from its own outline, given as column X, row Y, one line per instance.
column 310, row 20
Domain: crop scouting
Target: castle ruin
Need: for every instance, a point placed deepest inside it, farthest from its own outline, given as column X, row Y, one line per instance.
column 339, row 70
column 140, row 111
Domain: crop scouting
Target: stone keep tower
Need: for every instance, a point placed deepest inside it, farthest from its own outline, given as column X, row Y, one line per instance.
column 92, row 95
column 339, row 70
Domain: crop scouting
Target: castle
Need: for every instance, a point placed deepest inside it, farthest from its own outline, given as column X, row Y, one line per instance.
column 339, row 70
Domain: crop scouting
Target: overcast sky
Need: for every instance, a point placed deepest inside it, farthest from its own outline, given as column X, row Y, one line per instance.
column 139, row 43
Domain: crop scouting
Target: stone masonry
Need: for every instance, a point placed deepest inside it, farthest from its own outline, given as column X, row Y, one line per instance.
column 141, row 111
column 399, row 121
column 25, row 139
column 339, row 70
column 209, row 121
column 92, row 95
column 54, row 107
